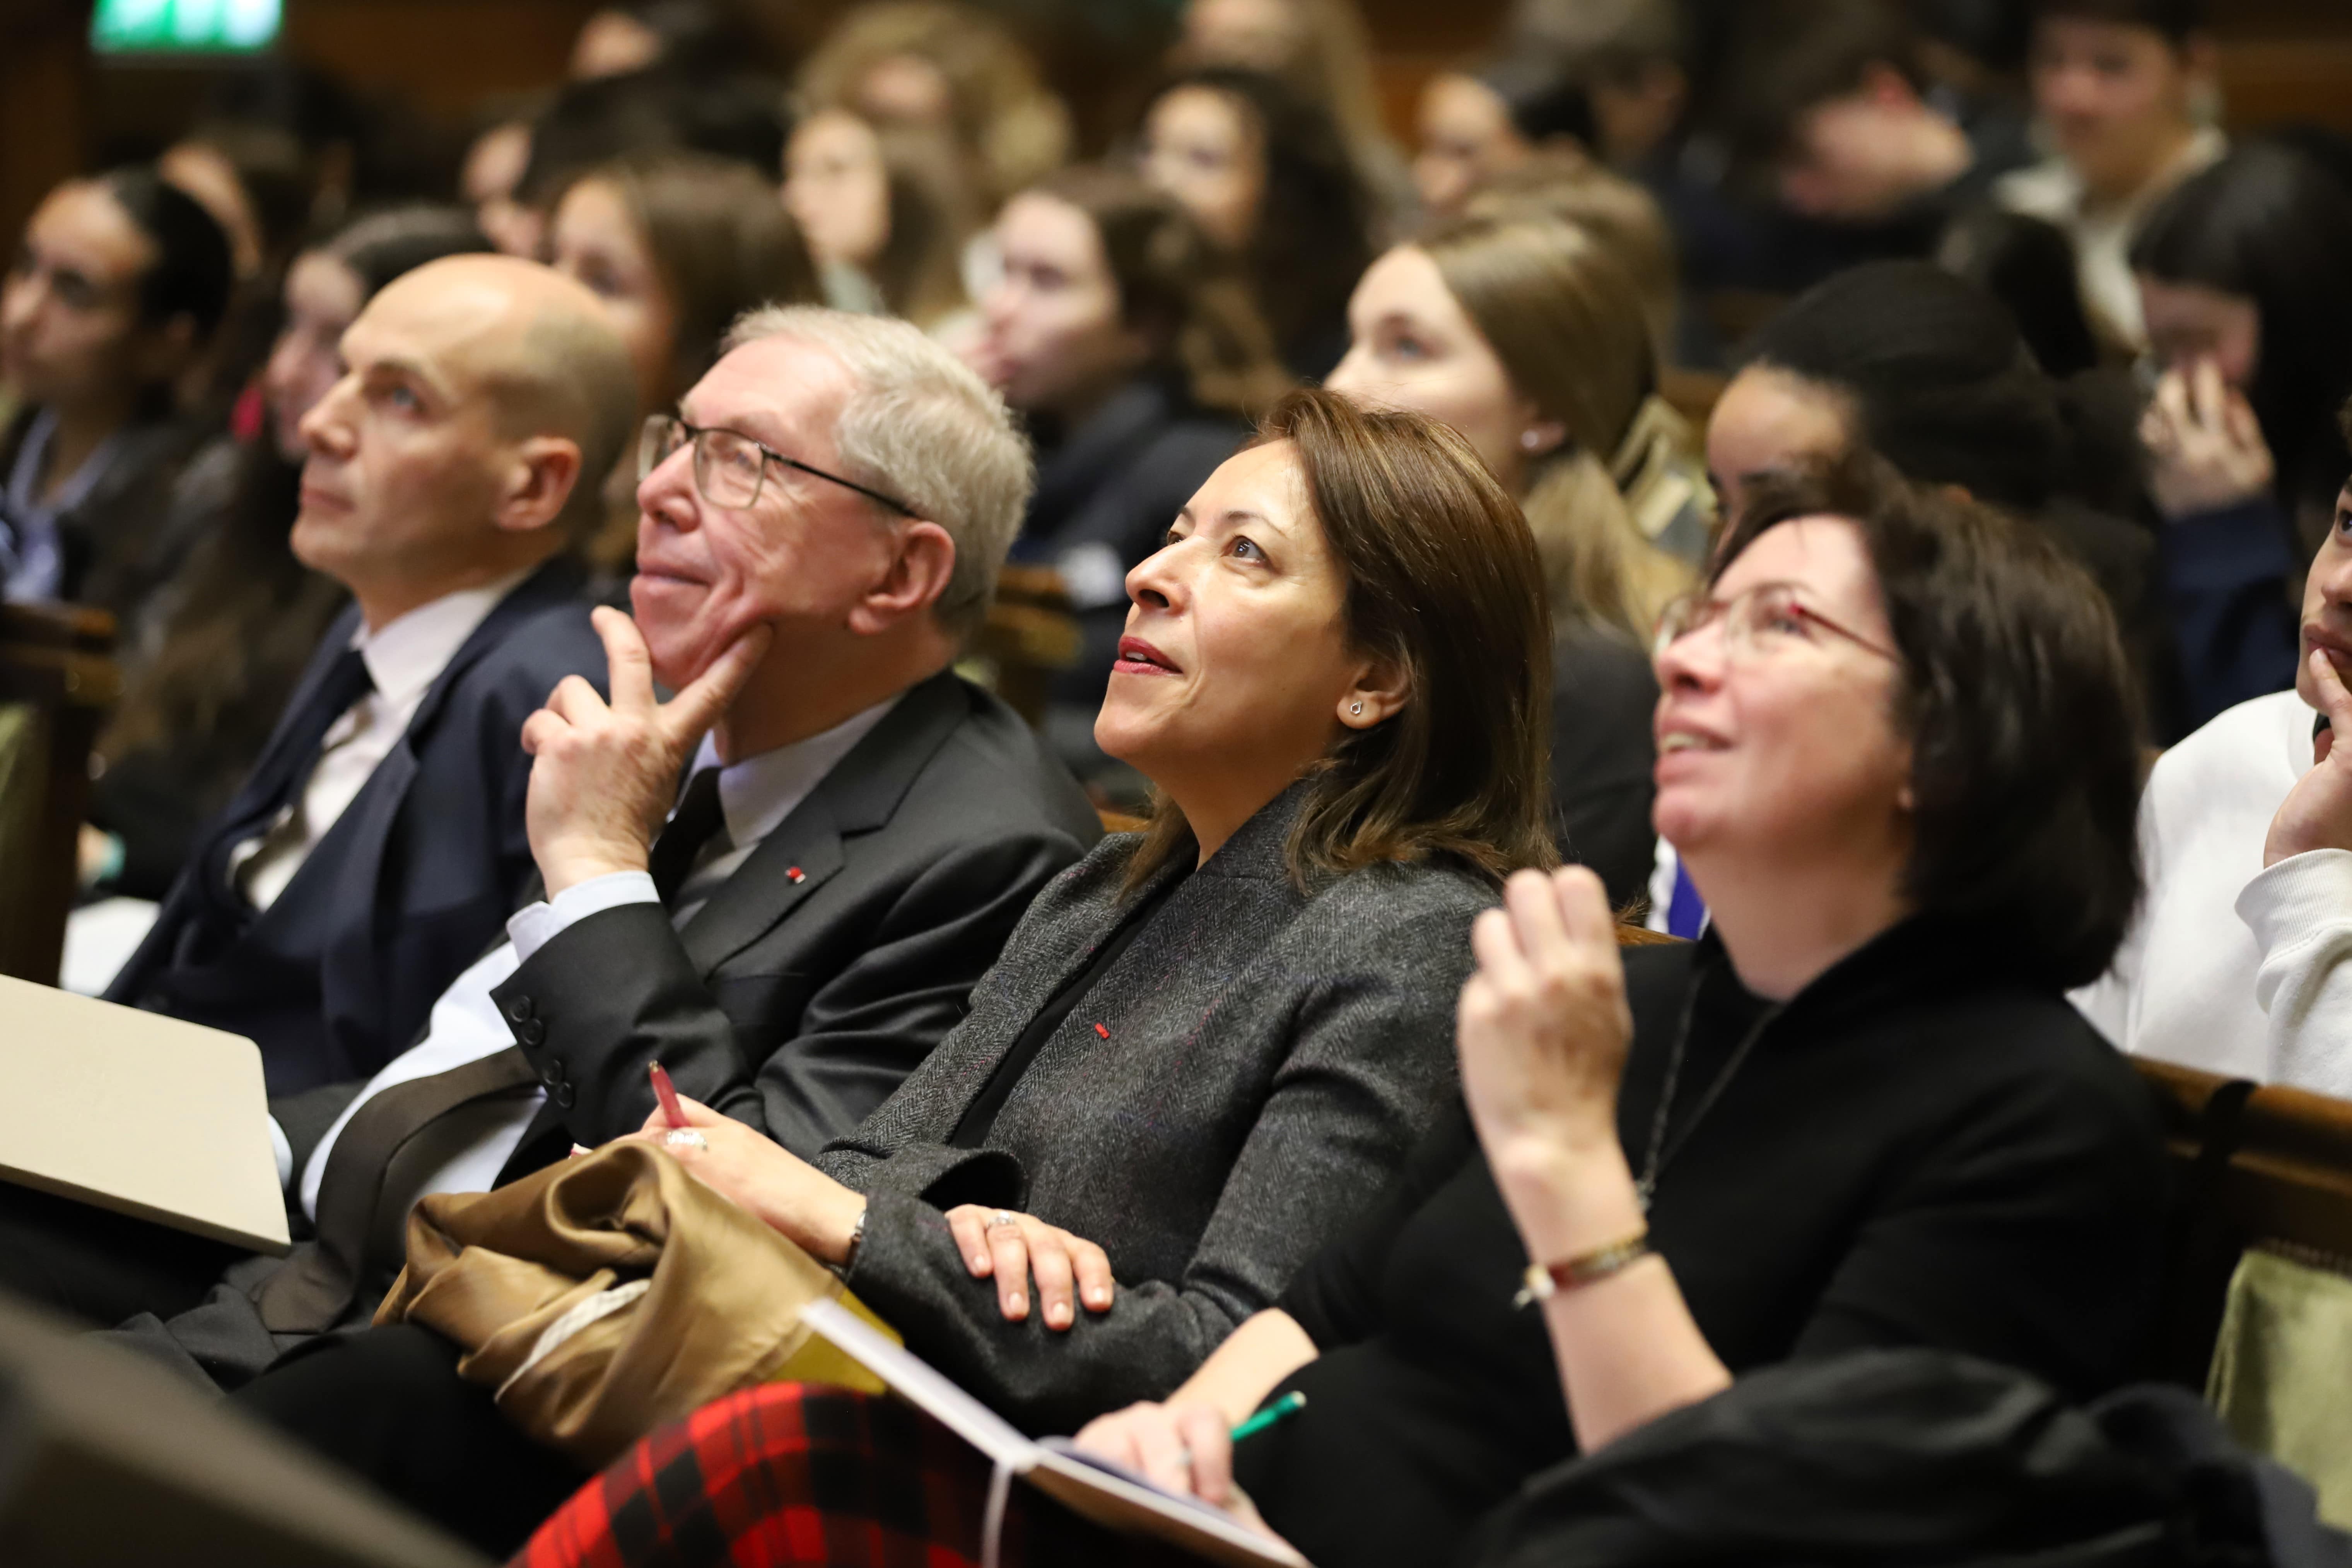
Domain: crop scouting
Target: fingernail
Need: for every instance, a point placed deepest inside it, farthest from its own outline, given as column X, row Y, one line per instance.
column 1057, row 1314
column 979, row 1260
column 1017, row 1303
column 1098, row 1294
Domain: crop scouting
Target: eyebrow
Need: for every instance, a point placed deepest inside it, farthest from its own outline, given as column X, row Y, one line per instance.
column 402, row 365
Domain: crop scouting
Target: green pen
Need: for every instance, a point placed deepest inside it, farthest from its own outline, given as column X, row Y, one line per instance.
column 1289, row 1404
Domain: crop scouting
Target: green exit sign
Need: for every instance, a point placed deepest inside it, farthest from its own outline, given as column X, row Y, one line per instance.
column 184, row 27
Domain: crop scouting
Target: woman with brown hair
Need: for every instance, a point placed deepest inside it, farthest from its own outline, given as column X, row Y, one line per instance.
column 1129, row 345
column 882, row 215
column 1206, row 1046
column 1525, row 334
column 677, row 245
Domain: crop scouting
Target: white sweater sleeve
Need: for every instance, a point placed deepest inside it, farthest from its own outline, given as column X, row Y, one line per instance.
column 2300, row 912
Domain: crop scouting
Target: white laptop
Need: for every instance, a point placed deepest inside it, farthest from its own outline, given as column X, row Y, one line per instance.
column 143, row 1114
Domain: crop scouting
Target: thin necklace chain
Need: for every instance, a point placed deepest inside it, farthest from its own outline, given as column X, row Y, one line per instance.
column 1660, row 1151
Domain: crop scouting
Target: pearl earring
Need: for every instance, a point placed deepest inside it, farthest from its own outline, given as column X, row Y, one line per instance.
column 1529, row 440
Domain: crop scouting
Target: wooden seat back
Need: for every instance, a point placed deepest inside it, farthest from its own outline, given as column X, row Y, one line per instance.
column 1029, row 637
column 57, row 678
column 2267, row 1168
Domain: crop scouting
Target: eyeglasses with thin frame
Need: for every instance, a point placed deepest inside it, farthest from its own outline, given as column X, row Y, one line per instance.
column 729, row 466
column 1761, row 621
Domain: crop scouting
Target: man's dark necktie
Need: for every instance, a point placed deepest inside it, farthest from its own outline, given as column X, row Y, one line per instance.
column 286, row 770
column 691, row 826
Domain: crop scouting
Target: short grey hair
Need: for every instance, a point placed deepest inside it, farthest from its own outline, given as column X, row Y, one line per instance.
column 921, row 426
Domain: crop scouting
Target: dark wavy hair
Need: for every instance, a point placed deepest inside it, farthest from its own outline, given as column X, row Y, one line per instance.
column 1441, row 578
column 193, row 273
column 1313, row 236
column 2019, row 706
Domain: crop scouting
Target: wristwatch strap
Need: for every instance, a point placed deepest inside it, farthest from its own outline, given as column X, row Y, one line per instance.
column 1545, row 1280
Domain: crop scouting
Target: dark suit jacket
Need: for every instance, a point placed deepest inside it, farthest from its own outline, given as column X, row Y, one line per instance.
column 1265, row 1058
column 833, row 960
column 429, row 859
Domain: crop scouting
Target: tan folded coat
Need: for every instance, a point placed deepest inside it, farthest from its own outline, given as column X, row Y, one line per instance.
column 612, row 1294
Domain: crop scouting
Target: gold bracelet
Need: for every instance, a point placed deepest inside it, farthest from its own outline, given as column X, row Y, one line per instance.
column 1545, row 1280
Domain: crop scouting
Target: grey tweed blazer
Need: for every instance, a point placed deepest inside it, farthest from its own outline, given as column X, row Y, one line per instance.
column 1264, row 1060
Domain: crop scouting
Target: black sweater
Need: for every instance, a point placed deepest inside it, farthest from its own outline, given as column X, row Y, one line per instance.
column 1919, row 1151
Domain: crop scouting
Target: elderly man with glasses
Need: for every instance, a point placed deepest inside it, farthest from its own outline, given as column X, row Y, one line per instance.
column 781, row 883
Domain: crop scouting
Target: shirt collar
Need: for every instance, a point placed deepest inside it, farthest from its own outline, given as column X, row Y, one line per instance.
column 408, row 655
column 757, row 793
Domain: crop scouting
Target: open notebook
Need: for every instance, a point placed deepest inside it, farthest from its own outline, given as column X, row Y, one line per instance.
column 1112, row 1498
column 140, row 1114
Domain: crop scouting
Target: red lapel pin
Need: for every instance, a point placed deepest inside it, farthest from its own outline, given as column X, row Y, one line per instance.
column 1102, row 1032
column 794, row 874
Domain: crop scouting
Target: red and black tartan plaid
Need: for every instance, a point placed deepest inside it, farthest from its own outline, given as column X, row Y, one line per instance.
column 794, row 1473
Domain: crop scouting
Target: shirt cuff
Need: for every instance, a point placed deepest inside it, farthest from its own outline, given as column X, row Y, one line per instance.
column 535, row 926
column 283, row 1152
column 2291, row 901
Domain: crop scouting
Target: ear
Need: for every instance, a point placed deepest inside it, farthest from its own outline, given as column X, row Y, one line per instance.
column 1379, row 691
column 539, row 481
column 922, row 560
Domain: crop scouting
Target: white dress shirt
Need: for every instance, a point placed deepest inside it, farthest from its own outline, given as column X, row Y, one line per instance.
column 755, row 797
column 404, row 659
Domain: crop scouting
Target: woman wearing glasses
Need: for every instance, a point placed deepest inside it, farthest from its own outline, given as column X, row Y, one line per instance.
column 1894, row 752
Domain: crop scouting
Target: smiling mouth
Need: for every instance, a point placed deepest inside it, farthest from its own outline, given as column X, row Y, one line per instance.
column 1139, row 658
column 1677, row 741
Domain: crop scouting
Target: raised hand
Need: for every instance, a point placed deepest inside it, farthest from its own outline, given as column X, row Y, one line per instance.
column 2318, row 812
column 1012, row 1246
column 2205, row 447
column 602, row 775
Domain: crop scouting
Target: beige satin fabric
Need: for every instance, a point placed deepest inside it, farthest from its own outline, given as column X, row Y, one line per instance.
column 720, row 1309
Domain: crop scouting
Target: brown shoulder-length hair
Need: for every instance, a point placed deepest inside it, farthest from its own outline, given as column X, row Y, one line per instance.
column 2018, row 702
column 1441, row 577
column 1177, row 287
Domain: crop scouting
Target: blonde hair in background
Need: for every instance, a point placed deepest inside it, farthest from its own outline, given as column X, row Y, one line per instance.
column 922, row 427
column 1567, row 186
column 1003, row 116
column 1567, row 322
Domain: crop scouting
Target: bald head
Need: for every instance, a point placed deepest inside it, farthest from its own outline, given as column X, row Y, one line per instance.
column 482, row 403
column 537, row 345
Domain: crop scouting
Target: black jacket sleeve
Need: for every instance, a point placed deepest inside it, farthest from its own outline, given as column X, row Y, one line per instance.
column 616, row 991
column 1336, row 1297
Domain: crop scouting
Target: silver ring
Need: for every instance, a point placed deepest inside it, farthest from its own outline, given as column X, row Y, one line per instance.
column 1003, row 1217
column 684, row 1138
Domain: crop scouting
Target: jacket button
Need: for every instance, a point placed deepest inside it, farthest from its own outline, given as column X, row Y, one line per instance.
column 530, row 1031
column 519, row 1009
column 563, row 1097
column 553, row 1073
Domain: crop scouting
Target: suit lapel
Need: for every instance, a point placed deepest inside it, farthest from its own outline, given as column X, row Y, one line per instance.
column 860, row 795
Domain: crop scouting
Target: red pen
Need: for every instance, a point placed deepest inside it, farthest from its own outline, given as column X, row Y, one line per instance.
column 667, row 1092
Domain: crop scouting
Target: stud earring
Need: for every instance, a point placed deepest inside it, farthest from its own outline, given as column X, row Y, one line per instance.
column 1356, row 708
column 1529, row 440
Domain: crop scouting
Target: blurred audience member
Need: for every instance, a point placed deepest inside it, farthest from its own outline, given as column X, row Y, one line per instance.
column 1474, row 125
column 1829, row 100
column 883, row 215
column 2028, row 264
column 491, row 175
column 240, row 621
column 1904, row 359
column 951, row 69
column 1323, row 53
column 1130, row 346
column 118, row 286
column 1264, row 175
column 592, row 122
column 379, row 843
column 256, row 182
column 677, row 246
column 2116, row 85
column 696, row 37
column 2248, row 814
column 1629, row 54
column 2241, row 268
column 1525, row 335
